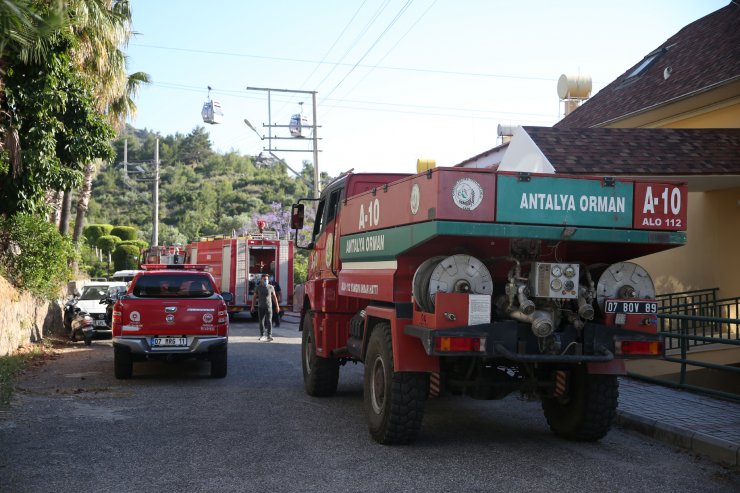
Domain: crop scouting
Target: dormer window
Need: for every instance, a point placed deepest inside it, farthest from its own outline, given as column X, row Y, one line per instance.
column 647, row 61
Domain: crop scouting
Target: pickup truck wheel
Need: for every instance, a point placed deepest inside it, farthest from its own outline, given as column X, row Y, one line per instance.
column 219, row 360
column 587, row 413
column 394, row 401
column 123, row 365
column 320, row 375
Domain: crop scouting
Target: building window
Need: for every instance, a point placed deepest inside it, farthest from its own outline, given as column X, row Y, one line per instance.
column 646, row 62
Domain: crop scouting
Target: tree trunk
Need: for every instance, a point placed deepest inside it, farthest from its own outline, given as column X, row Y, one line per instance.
column 84, row 201
column 54, row 201
column 66, row 207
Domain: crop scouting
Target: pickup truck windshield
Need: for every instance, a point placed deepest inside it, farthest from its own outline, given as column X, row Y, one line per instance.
column 173, row 286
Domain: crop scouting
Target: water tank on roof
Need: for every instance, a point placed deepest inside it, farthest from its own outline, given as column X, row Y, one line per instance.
column 506, row 130
column 574, row 86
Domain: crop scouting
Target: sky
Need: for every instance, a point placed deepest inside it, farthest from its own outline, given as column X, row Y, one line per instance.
column 395, row 80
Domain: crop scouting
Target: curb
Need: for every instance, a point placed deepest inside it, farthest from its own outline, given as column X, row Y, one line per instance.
column 714, row 448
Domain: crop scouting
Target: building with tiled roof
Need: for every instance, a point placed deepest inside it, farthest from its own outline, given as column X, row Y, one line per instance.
column 691, row 80
column 675, row 114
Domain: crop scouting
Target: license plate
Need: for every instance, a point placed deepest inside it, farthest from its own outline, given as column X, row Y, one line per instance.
column 169, row 341
column 631, row 306
column 100, row 323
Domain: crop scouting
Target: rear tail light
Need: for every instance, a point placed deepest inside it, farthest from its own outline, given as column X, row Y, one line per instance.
column 198, row 267
column 639, row 348
column 448, row 344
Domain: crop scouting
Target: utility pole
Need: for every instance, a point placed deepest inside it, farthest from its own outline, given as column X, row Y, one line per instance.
column 316, row 190
column 125, row 158
column 155, row 198
column 314, row 127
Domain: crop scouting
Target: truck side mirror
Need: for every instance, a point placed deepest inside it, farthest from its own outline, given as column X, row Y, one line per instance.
column 296, row 216
column 227, row 297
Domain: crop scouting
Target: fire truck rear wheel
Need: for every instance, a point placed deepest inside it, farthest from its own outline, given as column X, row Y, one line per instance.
column 588, row 412
column 394, row 401
column 123, row 365
column 320, row 375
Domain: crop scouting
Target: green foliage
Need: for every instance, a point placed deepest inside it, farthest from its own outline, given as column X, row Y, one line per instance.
column 139, row 244
column 201, row 192
column 94, row 231
column 300, row 267
column 126, row 257
column 34, row 255
column 53, row 111
column 108, row 243
column 91, row 264
column 126, row 233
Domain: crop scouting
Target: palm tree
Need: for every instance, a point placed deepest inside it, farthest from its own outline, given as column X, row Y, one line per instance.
column 119, row 111
column 101, row 28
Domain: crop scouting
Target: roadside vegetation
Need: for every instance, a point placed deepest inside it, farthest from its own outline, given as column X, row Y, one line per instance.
column 14, row 364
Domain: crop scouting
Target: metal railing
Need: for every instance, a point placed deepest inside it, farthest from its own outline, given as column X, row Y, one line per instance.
column 709, row 318
column 693, row 319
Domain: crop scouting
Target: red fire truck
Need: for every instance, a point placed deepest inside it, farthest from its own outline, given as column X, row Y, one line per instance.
column 482, row 283
column 237, row 263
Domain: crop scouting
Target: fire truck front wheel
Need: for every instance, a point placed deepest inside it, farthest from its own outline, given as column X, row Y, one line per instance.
column 587, row 412
column 320, row 375
column 394, row 401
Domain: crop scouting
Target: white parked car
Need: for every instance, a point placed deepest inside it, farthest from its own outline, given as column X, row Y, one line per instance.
column 89, row 300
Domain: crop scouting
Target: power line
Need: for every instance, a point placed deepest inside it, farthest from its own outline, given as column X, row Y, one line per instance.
column 323, row 59
column 241, row 95
column 391, row 48
column 381, row 67
column 356, row 40
column 385, row 31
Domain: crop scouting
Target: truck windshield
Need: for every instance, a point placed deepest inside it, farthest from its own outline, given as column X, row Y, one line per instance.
column 173, row 286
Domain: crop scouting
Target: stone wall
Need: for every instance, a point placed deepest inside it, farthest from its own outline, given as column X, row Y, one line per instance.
column 25, row 319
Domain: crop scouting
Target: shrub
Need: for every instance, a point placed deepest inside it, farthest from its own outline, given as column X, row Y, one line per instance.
column 140, row 244
column 108, row 243
column 34, row 255
column 126, row 257
column 94, row 231
column 126, row 233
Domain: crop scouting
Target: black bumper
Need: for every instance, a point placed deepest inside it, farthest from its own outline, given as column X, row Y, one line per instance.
column 514, row 341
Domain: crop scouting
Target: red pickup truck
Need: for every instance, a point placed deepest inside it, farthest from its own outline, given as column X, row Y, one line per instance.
column 171, row 312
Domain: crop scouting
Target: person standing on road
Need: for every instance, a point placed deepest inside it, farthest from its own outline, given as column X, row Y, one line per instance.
column 264, row 296
column 279, row 296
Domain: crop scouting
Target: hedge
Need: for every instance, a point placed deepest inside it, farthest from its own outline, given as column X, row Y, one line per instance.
column 126, row 233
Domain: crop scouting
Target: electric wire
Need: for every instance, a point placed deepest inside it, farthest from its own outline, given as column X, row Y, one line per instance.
column 381, row 67
column 389, row 50
column 323, row 59
column 336, row 102
column 377, row 40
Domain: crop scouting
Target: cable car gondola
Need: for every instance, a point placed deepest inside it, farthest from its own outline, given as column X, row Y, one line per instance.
column 212, row 112
column 298, row 123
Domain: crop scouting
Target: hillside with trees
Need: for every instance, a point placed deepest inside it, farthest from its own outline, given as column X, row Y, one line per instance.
column 201, row 192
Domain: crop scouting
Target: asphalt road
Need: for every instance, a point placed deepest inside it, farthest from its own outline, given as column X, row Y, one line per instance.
column 73, row 427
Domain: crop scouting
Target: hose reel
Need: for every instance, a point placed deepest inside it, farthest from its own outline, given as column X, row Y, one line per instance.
column 453, row 274
column 624, row 280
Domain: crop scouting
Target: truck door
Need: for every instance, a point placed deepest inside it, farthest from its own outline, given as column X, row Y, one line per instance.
column 322, row 259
